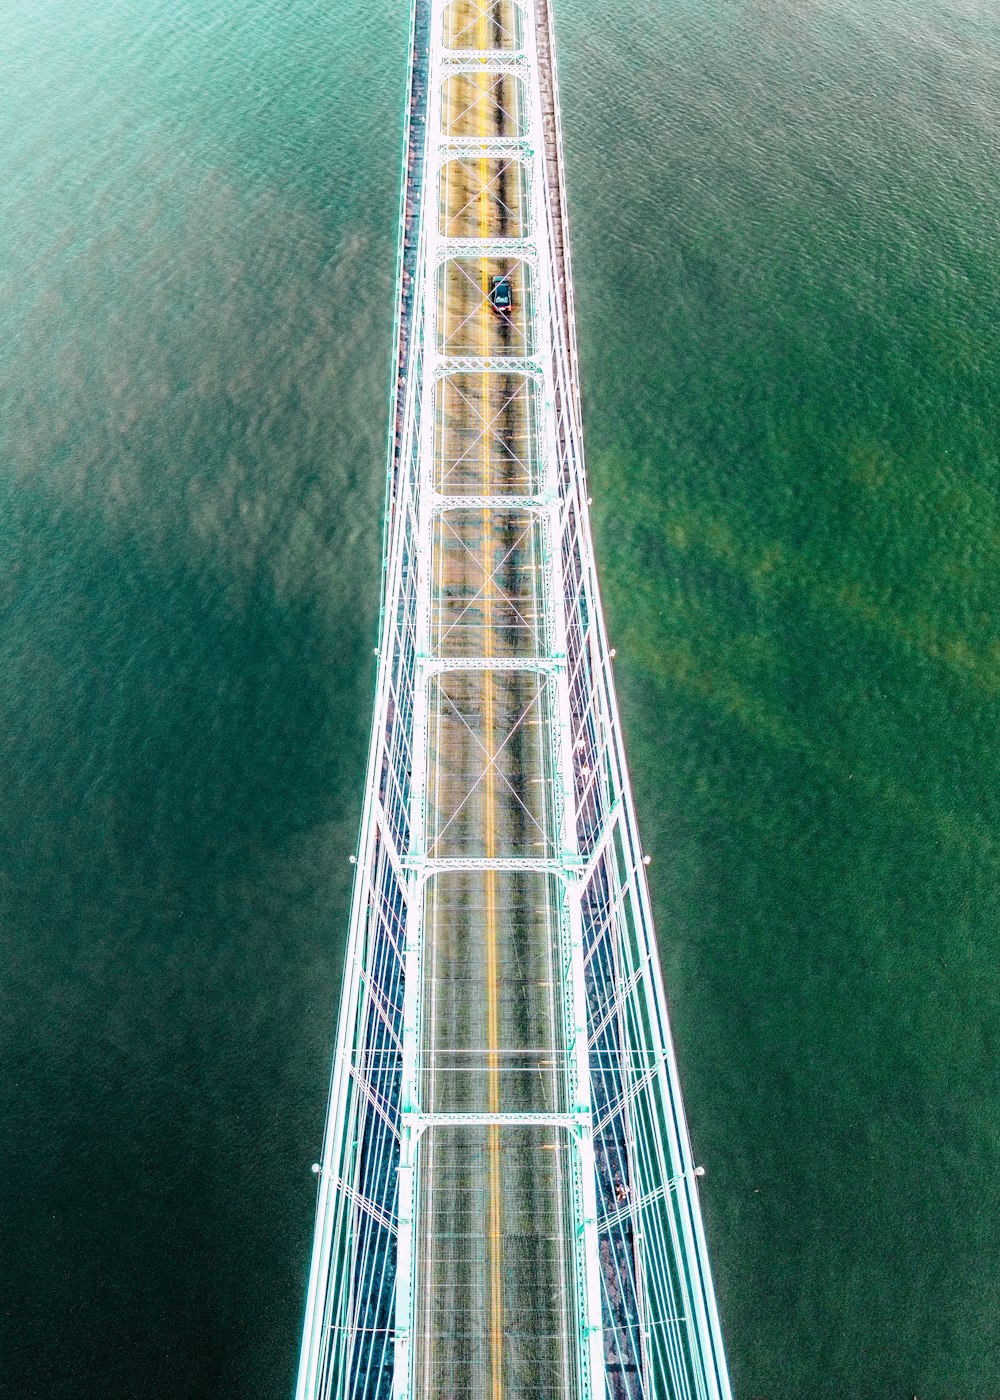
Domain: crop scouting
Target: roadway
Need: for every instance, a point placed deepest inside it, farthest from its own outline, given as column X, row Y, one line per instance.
column 496, row 1312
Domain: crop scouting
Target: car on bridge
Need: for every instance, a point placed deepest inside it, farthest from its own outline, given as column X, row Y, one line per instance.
column 501, row 292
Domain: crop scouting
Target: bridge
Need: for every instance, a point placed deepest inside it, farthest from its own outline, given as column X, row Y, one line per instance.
column 507, row 1202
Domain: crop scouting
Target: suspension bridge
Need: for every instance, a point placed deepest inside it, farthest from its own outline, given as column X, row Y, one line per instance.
column 507, row 1203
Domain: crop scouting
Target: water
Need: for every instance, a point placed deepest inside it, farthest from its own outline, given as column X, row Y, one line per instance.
column 785, row 245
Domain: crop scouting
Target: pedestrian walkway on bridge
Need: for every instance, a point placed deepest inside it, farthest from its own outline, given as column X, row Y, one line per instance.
column 507, row 1204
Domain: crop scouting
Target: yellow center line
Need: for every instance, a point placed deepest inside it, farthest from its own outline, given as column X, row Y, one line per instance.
column 494, row 1231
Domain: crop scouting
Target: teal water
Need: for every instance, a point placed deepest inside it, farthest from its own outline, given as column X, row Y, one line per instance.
column 785, row 240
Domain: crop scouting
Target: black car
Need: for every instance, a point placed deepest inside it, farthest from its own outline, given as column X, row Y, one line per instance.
column 501, row 293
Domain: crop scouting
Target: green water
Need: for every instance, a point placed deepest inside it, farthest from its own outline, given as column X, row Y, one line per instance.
column 785, row 243
column 793, row 449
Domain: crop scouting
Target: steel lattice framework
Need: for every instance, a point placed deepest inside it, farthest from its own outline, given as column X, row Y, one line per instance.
column 574, row 1150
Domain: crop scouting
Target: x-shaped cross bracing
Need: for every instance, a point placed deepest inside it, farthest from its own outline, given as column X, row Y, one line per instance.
column 491, row 763
column 488, row 430
column 449, row 334
column 489, row 581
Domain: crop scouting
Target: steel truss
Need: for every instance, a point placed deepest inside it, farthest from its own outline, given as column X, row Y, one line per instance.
column 646, row 1319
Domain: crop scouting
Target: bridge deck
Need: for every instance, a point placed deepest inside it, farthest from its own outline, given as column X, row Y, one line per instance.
column 507, row 1203
column 495, row 1306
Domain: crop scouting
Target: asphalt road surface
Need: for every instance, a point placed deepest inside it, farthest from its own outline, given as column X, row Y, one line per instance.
column 495, row 1305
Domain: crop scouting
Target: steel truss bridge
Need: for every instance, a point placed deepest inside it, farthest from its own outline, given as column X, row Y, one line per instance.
column 507, row 1202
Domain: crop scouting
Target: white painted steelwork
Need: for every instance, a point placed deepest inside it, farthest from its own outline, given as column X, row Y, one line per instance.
column 645, row 1319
